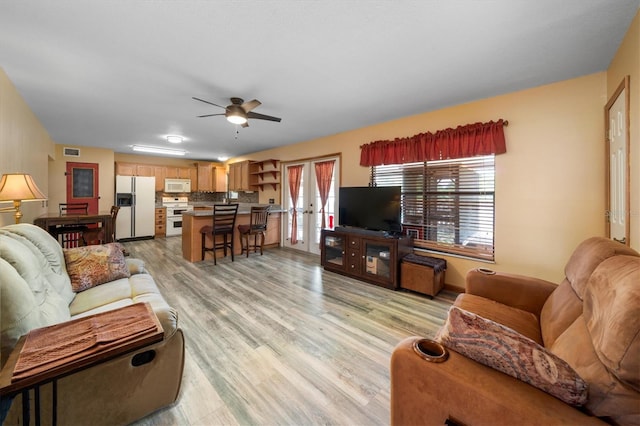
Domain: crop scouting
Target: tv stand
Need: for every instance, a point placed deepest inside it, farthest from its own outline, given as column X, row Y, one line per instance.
column 371, row 256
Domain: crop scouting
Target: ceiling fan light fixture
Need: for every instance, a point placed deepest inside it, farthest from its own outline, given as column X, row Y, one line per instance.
column 236, row 115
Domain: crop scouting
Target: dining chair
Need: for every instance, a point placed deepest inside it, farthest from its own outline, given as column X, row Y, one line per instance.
column 71, row 235
column 257, row 226
column 93, row 235
column 224, row 221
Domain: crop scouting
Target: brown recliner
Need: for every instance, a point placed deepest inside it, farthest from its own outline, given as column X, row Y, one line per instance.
column 591, row 320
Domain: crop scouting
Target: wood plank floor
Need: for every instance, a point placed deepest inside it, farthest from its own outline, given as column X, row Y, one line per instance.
column 275, row 339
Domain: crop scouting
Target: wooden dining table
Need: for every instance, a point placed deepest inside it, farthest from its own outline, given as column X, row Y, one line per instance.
column 52, row 220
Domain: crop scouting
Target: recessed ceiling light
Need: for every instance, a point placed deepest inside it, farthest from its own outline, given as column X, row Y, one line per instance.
column 175, row 139
column 154, row 150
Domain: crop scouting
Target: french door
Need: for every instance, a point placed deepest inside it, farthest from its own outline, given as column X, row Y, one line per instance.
column 308, row 206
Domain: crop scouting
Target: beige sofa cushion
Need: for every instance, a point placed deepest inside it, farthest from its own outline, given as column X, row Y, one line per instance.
column 47, row 256
column 124, row 292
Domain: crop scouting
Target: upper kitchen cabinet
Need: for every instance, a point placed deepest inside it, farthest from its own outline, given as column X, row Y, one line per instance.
column 239, row 176
column 211, row 178
column 126, row 169
column 145, row 170
column 160, row 173
column 182, row 173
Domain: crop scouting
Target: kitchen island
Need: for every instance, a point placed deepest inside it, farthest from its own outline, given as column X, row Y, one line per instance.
column 193, row 221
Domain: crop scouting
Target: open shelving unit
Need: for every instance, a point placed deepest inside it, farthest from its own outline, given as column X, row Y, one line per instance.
column 264, row 173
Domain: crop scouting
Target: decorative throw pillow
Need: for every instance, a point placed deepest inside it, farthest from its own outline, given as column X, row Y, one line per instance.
column 93, row 265
column 505, row 350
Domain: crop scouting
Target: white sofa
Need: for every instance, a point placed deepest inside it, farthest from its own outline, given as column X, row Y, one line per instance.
column 36, row 292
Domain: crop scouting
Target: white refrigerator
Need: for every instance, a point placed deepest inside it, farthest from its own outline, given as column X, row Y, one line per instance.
column 135, row 195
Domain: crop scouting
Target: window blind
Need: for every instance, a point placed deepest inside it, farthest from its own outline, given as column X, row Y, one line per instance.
column 447, row 205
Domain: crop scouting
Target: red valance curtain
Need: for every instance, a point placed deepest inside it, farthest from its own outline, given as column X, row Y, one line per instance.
column 464, row 141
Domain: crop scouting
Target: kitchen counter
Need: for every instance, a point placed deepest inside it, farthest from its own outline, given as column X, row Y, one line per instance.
column 193, row 221
column 243, row 208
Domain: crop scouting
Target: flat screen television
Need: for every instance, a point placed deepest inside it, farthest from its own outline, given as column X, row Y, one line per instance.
column 374, row 208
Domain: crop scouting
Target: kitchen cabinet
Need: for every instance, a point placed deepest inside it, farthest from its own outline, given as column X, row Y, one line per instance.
column 211, row 178
column 239, row 176
column 205, row 179
column 272, row 236
column 161, row 222
column 171, row 172
column 160, row 172
column 126, row 169
column 264, row 173
column 364, row 255
column 144, row 170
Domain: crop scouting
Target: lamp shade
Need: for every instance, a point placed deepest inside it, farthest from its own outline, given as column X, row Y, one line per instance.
column 19, row 186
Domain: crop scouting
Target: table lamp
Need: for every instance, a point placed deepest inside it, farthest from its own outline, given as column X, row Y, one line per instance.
column 18, row 187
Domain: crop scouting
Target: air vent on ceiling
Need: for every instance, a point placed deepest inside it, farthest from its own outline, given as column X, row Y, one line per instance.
column 71, row 152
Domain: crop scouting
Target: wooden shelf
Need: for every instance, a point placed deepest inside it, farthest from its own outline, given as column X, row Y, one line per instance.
column 258, row 170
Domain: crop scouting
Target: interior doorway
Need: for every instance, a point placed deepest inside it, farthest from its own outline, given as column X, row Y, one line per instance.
column 617, row 175
column 82, row 184
column 308, row 206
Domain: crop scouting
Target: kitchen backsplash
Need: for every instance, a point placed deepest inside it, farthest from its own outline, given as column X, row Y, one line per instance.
column 243, row 197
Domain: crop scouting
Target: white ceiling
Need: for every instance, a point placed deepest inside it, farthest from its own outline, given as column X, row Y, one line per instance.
column 115, row 73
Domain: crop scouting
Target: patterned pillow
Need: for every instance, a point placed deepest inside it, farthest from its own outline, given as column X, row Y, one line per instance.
column 505, row 350
column 91, row 266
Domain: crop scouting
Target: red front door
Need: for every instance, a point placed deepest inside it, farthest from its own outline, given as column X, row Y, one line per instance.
column 82, row 184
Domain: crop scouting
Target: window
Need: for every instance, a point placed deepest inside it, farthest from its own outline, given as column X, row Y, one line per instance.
column 447, row 205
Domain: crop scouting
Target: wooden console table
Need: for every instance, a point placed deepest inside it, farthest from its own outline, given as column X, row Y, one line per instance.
column 50, row 353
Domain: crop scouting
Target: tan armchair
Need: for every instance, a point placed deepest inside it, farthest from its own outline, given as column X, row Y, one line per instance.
column 591, row 320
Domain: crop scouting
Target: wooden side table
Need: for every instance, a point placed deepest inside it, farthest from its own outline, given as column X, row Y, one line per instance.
column 24, row 372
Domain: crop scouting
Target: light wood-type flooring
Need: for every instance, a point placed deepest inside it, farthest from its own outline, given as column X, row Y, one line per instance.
column 276, row 340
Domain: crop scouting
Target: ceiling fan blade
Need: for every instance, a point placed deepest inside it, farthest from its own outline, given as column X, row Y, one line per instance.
column 245, row 124
column 249, row 105
column 207, row 102
column 262, row 117
column 209, row 115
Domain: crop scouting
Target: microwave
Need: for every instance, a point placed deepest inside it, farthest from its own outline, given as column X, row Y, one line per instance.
column 177, row 185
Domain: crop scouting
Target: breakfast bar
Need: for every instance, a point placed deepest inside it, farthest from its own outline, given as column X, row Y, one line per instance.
column 193, row 221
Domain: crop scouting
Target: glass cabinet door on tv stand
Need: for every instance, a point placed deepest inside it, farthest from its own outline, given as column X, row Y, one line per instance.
column 333, row 251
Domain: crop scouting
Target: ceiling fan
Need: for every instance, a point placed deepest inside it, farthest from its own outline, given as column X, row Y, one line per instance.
column 239, row 111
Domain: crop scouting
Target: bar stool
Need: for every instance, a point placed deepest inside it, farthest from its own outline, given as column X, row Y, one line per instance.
column 224, row 221
column 257, row 226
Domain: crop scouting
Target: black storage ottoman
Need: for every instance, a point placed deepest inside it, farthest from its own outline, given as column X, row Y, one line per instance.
column 422, row 274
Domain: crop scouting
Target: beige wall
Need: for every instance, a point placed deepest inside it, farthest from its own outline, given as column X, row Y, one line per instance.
column 24, row 147
column 549, row 184
column 627, row 62
column 58, row 168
